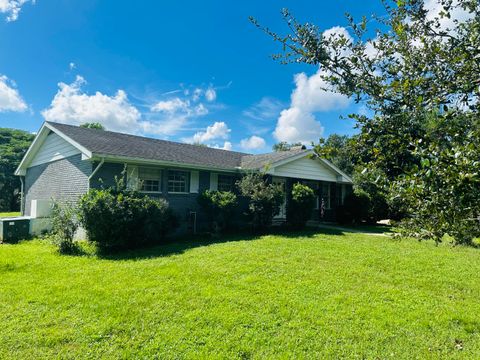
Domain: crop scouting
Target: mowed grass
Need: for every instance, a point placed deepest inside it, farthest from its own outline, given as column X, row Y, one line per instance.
column 305, row 296
column 9, row 214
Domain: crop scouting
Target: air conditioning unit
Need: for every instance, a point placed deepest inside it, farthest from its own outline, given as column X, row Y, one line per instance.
column 14, row 229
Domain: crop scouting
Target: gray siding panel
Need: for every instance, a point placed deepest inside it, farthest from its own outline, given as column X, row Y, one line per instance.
column 62, row 180
column 105, row 176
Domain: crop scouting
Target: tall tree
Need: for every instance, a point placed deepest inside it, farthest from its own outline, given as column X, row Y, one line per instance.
column 285, row 146
column 338, row 149
column 419, row 76
column 93, row 125
column 13, row 146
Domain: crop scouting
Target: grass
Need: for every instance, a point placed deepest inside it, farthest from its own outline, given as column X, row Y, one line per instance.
column 9, row 214
column 326, row 295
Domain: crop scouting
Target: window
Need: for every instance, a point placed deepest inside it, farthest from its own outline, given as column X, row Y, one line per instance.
column 226, row 183
column 150, row 179
column 178, row 181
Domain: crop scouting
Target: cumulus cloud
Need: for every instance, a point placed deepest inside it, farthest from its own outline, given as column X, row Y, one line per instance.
column 219, row 130
column 311, row 94
column 10, row 99
column 253, row 143
column 227, row 145
column 71, row 105
column 11, row 8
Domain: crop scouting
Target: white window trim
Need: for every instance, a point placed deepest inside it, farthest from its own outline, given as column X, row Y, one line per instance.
column 139, row 180
column 187, row 185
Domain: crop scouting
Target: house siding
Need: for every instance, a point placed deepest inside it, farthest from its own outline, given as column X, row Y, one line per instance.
column 63, row 180
column 54, row 148
column 306, row 168
column 105, row 176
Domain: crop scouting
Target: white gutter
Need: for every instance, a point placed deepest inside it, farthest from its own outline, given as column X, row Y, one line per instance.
column 95, row 171
column 21, row 196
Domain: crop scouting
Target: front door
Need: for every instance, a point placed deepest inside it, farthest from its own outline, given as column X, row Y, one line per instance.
column 282, row 214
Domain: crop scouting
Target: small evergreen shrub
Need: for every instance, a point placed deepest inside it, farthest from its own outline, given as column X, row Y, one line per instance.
column 219, row 207
column 300, row 208
column 120, row 218
column 64, row 225
column 355, row 209
column 264, row 199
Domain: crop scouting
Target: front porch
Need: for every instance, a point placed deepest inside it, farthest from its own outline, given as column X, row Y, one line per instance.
column 328, row 196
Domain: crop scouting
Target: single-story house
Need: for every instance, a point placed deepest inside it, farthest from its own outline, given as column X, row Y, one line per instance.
column 65, row 161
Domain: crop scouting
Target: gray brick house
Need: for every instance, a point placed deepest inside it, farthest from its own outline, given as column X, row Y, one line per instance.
column 64, row 161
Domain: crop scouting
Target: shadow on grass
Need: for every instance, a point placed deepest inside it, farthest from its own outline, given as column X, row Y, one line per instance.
column 180, row 245
column 361, row 228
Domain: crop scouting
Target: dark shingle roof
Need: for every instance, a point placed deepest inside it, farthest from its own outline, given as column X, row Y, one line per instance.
column 124, row 145
column 109, row 143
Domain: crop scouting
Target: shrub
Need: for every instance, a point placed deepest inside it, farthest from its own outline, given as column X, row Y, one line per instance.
column 264, row 199
column 301, row 206
column 119, row 218
column 219, row 207
column 64, row 225
column 355, row 208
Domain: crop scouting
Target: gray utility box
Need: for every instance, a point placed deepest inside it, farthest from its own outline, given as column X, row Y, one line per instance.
column 14, row 229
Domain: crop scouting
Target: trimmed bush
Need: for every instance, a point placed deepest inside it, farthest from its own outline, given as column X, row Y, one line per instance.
column 219, row 207
column 119, row 219
column 64, row 225
column 264, row 199
column 300, row 208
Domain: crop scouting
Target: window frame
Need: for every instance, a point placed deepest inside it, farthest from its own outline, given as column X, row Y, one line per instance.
column 187, row 181
column 141, row 180
column 232, row 182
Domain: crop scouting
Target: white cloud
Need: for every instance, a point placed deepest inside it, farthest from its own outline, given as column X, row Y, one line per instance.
column 179, row 106
column 227, row 145
column 210, row 94
column 267, row 108
column 336, row 33
column 457, row 13
column 72, row 66
column 253, row 143
column 11, row 8
column 219, row 130
column 171, row 105
column 311, row 94
column 10, row 99
column 296, row 125
column 71, row 105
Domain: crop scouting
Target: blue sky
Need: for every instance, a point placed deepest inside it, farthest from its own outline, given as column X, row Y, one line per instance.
column 180, row 70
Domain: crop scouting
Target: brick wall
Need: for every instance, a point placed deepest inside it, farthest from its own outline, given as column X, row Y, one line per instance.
column 63, row 180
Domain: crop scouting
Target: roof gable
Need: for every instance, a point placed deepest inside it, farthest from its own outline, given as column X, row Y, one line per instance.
column 35, row 150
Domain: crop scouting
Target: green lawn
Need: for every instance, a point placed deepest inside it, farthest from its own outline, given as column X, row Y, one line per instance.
column 9, row 214
column 311, row 296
